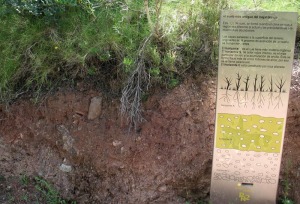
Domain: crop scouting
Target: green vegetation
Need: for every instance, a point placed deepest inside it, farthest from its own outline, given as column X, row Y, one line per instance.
column 45, row 42
column 2, row 178
column 29, row 189
column 24, row 179
column 49, row 192
column 267, row 5
column 285, row 199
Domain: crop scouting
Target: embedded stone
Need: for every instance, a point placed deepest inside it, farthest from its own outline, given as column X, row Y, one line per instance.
column 95, row 108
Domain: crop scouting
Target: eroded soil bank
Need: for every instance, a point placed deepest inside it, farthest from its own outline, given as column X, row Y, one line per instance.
column 168, row 160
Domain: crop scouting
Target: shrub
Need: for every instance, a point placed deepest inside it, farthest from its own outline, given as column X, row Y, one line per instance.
column 56, row 40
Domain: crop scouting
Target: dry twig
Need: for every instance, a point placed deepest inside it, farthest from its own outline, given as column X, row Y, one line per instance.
column 138, row 81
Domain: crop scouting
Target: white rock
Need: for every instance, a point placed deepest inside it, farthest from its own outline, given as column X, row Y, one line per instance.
column 95, row 108
column 65, row 168
column 162, row 188
column 67, row 138
column 116, row 143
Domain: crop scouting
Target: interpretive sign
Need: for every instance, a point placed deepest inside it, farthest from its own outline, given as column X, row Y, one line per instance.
column 255, row 64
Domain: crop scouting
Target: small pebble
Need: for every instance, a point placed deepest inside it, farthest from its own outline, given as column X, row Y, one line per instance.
column 116, row 143
column 65, row 168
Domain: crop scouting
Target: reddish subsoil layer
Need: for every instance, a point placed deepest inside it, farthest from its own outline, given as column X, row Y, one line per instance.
column 168, row 160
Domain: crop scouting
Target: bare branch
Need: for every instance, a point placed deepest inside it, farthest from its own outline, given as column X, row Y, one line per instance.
column 262, row 83
column 280, row 84
column 238, row 81
column 132, row 93
column 255, row 83
column 271, row 84
column 228, row 82
column 247, row 83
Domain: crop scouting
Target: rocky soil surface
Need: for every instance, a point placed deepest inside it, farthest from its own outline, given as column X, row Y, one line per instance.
column 96, row 159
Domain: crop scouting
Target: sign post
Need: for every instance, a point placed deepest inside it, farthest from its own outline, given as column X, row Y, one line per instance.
column 255, row 65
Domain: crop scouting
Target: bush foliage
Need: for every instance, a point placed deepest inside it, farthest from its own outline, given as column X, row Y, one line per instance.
column 44, row 42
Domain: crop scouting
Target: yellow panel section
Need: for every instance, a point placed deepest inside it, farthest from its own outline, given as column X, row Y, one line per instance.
column 249, row 132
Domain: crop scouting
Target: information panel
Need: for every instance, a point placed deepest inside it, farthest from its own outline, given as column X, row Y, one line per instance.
column 254, row 76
